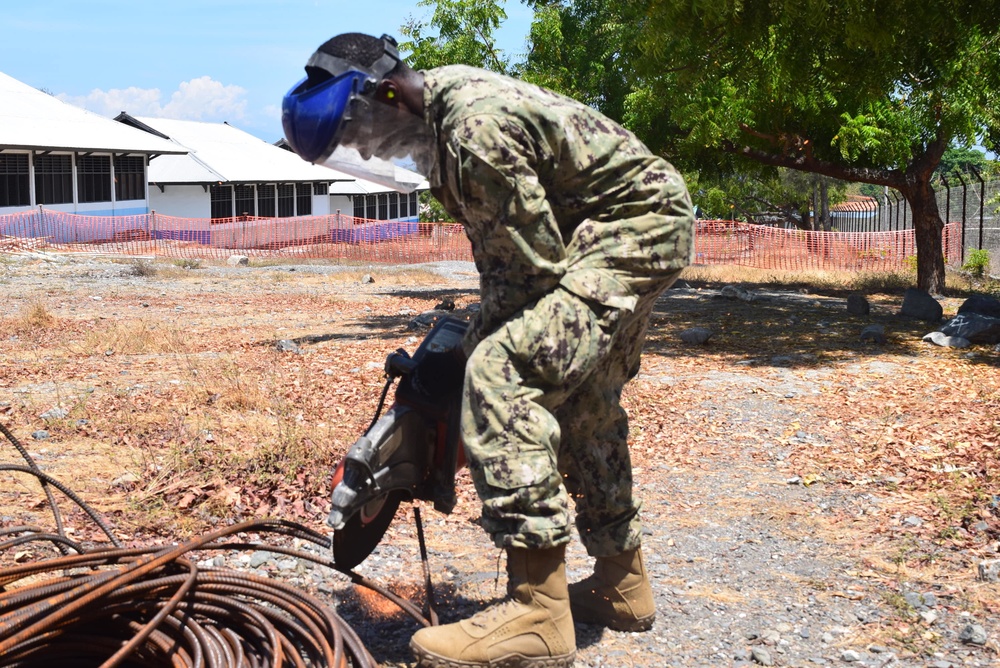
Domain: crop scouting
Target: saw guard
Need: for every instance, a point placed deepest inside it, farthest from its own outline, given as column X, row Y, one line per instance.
column 393, row 455
column 412, row 451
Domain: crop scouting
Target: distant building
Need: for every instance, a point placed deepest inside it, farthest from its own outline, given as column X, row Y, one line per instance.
column 67, row 159
column 229, row 174
column 363, row 199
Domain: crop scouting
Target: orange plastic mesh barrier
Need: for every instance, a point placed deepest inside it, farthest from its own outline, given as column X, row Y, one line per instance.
column 723, row 242
column 340, row 237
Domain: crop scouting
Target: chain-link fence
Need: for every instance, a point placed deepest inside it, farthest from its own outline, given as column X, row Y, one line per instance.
column 968, row 199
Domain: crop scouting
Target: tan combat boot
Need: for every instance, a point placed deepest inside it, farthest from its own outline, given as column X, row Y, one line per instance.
column 617, row 595
column 533, row 629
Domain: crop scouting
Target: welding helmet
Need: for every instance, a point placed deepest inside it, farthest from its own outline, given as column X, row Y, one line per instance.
column 332, row 118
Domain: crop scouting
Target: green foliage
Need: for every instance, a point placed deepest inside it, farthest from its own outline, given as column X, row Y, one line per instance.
column 962, row 159
column 431, row 210
column 977, row 263
column 458, row 32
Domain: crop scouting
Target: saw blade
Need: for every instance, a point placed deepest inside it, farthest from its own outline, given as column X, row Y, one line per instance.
column 364, row 529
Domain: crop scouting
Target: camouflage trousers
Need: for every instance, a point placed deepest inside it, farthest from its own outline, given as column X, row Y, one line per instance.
column 542, row 422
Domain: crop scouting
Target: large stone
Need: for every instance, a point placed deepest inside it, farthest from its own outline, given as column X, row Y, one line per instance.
column 975, row 327
column 696, row 335
column 921, row 305
column 857, row 304
column 874, row 334
column 238, row 261
column 942, row 339
column 981, row 304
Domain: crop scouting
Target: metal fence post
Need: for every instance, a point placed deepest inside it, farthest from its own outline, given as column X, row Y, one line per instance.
column 982, row 199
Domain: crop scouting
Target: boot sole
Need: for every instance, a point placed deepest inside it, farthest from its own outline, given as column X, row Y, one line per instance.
column 427, row 659
column 584, row 616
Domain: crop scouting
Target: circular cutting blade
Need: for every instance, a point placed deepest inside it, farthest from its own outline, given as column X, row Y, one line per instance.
column 364, row 529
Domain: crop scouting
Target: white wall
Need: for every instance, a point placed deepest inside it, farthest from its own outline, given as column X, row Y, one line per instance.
column 180, row 201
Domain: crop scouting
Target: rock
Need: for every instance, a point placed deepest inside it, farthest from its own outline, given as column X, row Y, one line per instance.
column 367, row 278
column 989, row 570
column 259, row 558
column 761, row 656
column 696, row 335
column 40, row 435
column 973, row 634
column 981, row 304
column 975, row 327
column 736, row 292
column 850, row 656
column 126, row 480
column 913, row 521
column 425, row 320
column 238, row 261
column 942, row 339
column 920, row 305
column 56, row 413
column 857, row 304
column 288, row 346
column 874, row 334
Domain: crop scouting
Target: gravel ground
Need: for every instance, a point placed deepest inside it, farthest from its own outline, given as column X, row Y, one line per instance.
column 749, row 565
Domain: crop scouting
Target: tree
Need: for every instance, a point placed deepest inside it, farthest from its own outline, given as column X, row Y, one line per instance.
column 857, row 90
column 458, row 32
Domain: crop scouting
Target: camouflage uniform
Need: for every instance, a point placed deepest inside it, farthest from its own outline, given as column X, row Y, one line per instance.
column 576, row 228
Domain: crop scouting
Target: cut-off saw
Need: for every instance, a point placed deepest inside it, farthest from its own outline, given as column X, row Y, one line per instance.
column 411, row 451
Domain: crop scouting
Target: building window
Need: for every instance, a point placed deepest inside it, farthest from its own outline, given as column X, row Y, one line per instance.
column 414, row 204
column 222, row 201
column 321, row 189
column 130, row 177
column 383, row 206
column 286, row 200
column 404, row 201
column 53, row 179
column 14, row 190
column 245, row 200
column 371, row 207
column 304, row 200
column 93, row 178
column 393, row 206
column 265, row 200
column 359, row 206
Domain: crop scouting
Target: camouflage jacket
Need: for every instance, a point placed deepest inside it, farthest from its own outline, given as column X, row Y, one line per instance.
column 551, row 193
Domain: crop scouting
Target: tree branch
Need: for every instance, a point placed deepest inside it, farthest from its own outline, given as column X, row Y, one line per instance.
column 806, row 162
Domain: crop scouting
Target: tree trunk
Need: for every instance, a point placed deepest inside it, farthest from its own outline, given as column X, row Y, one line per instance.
column 927, row 227
column 824, row 194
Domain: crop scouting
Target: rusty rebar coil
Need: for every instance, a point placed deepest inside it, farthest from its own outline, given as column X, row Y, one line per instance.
column 154, row 607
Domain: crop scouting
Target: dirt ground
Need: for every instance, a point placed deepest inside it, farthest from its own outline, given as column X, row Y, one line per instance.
column 809, row 499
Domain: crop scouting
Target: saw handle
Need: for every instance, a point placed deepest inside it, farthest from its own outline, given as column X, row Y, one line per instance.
column 399, row 364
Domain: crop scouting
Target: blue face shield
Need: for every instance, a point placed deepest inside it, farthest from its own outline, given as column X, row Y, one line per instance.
column 314, row 118
column 338, row 122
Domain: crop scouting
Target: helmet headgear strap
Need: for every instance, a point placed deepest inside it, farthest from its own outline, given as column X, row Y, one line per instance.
column 335, row 65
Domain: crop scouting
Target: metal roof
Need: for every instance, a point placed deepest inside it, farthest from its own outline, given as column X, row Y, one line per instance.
column 222, row 153
column 33, row 120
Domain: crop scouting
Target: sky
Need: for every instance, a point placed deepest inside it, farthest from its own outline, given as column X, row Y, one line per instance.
column 214, row 60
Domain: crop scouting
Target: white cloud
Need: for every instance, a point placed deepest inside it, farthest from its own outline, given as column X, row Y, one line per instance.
column 201, row 99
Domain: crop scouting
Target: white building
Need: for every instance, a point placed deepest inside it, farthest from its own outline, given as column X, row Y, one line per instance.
column 229, row 174
column 67, row 159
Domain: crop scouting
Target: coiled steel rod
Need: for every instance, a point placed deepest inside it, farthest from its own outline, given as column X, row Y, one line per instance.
column 153, row 606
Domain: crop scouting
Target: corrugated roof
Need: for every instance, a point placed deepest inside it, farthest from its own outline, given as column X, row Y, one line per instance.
column 31, row 119
column 221, row 152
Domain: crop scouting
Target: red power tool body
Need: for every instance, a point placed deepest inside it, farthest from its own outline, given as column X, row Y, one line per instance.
column 412, row 451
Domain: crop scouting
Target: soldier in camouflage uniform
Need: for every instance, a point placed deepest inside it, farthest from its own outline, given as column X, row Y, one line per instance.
column 576, row 229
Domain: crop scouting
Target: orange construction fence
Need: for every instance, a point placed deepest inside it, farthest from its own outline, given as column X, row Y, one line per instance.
column 345, row 238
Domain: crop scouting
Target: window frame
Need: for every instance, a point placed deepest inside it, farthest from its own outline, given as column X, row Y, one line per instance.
column 15, row 179
column 218, row 203
column 128, row 180
column 93, row 178
column 52, row 183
